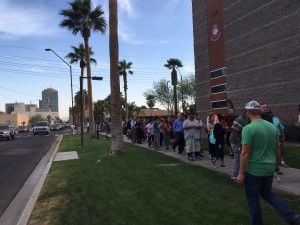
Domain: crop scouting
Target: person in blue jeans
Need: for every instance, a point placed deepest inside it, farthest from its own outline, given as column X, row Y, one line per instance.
column 179, row 135
column 235, row 141
column 260, row 158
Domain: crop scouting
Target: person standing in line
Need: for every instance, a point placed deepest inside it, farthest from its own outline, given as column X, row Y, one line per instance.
column 166, row 132
column 201, row 125
column 192, row 128
column 128, row 129
column 156, row 133
column 139, row 131
column 212, row 114
column 179, row 136
column 236, row 143
column 229, row 120
column 150, row 134
column 161, row 137
column 219, row 132
column 133, row 130
column 280, row 132
column 210, row 126
column 260, row 158
column 265, row 113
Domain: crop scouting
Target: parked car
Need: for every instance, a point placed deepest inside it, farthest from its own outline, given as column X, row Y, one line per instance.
column 7, row 131
column 41, row 127
column 23, row 129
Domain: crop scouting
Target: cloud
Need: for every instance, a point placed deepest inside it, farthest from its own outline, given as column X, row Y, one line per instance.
column 131, row 38
column 19, row 21
column 126, row 6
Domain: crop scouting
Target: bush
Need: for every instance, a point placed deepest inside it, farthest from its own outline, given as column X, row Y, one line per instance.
column 292, row 133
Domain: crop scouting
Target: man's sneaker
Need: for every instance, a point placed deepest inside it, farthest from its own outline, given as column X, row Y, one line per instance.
column 284, row 165
column 224, row 166
column 198, row 157
column 190, row 158
column 213, row 164
column 233, row 178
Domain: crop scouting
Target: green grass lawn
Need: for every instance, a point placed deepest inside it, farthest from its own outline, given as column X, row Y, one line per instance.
column 142, row 187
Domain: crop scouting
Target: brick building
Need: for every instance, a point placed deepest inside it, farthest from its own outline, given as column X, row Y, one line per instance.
column 247, row 50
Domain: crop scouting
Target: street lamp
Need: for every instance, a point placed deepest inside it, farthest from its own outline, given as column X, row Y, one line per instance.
column 49, row 49
column 81, row 104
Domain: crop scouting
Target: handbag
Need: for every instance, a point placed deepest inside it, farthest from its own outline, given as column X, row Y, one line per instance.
column 212, row 138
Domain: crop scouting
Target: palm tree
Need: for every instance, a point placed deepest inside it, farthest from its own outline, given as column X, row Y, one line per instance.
column 78, row 54
column 81, row 18
column 117, row 143
column 123, row 68
column 150, row 101
column 172, row 64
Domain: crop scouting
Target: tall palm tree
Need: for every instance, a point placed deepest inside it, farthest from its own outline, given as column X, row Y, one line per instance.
column 123, row 68
column 172, row 64
column 81, row 18
column 78, row 54
column 117, row 143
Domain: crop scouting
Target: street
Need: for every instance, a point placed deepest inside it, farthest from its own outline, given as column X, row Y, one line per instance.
column 18, row 158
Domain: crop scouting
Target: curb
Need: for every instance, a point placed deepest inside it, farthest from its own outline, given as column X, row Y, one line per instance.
column 19, row 210
column 35, row 194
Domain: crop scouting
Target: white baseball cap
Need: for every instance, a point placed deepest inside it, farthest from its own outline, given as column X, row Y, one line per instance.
column 252, row 105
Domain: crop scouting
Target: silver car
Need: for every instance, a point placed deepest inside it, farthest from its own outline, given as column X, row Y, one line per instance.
column 7, row 131
column 41, row 127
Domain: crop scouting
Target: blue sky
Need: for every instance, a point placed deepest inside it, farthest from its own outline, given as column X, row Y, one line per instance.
column 150, row 32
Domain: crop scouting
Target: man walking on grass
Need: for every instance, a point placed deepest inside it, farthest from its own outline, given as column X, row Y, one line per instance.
column 260, row 158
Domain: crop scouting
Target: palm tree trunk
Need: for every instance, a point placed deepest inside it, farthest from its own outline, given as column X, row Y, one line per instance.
column 125, row 93
column 90, row 90
column 117, row 142
column 175, row 100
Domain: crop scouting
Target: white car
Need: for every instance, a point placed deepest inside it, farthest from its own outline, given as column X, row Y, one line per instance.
column 7, row 131
column 41, row 127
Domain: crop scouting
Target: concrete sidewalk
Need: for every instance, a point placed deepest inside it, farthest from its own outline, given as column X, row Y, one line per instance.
column 289, row 180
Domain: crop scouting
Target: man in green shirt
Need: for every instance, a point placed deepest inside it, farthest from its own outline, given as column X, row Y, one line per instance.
column 260, row 158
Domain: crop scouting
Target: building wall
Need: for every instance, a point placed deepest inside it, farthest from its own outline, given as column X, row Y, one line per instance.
column 14, row 119
column 262, row 47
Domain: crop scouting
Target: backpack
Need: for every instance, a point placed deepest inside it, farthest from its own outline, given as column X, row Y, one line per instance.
column 212, row 138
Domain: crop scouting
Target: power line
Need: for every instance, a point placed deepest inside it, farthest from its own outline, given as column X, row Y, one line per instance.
column 18, row 91
column 121, row 56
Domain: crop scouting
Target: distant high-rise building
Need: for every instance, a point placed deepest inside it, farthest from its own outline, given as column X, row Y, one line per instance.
column 50, row 100
column 9, row 107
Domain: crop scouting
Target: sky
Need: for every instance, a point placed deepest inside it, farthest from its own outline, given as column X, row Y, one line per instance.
column 150, row 33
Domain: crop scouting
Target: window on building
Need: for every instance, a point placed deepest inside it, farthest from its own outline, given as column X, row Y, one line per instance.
column 218, row 88
column 219, row 104
column 218, row 73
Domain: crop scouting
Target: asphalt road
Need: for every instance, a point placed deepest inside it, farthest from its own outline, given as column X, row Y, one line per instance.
column 18, row 159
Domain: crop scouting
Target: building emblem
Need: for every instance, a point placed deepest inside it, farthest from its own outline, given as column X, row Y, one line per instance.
column 215, row 32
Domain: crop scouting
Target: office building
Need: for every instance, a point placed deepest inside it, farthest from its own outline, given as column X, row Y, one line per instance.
column 247, row 50
column 49, row 100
